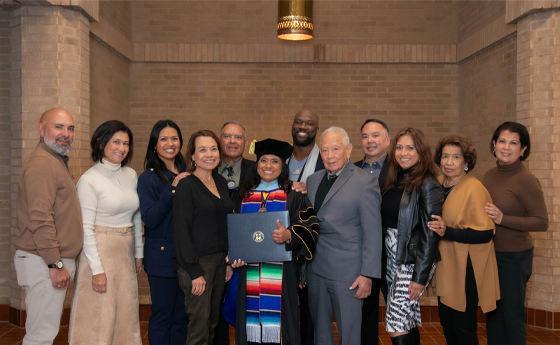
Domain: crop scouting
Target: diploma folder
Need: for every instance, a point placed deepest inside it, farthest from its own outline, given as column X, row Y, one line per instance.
column 250, row 237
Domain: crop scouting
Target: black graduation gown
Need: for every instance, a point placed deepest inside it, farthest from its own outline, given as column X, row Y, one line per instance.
column 305, row 229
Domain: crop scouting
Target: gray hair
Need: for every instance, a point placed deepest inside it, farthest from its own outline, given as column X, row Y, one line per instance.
column 233, row 122
column 337, row 130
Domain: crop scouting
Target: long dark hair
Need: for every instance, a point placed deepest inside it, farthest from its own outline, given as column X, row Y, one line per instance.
column 414, row 175
column 191, row 147
column 152, row 160
column 103, row 134
column 253, row 179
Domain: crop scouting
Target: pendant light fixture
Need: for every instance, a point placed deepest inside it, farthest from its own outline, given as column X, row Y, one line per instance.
column 295, row 20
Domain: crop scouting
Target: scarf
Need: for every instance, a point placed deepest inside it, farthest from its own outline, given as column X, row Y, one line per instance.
column 263, row 302
column 464, row 208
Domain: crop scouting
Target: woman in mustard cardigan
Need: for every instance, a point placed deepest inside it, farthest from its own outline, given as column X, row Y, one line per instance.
column 467, row 275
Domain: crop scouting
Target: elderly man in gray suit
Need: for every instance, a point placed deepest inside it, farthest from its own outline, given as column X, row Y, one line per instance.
column 348, row 254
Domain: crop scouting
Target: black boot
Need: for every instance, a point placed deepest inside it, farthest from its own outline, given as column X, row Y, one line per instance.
column 400, row 340
column 413, row 336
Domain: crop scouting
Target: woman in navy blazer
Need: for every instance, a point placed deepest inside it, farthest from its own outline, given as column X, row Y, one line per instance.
column 165, row 167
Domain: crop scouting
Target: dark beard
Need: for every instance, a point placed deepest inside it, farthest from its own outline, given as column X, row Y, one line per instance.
column 310, row 140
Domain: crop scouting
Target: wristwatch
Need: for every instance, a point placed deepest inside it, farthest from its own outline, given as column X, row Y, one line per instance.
column 59, row 264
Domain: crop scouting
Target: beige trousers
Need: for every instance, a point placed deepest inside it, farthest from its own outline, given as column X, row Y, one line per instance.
column 44, row 302
column 109, row 318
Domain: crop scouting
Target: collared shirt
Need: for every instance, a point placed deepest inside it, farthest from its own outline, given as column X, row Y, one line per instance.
column 331, row 176
column 232, row 173
column 375, row 167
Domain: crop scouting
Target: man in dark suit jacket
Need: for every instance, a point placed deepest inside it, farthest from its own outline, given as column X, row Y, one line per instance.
column 235, row 169
column 375, row 144
column 348, row 253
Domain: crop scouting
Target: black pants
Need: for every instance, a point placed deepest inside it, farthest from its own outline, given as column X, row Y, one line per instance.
column 168, row 323
column 203, row 311
column 306, row 324
column 459, row 327
column 506, row 324
column 370, row 313
column 221, row 333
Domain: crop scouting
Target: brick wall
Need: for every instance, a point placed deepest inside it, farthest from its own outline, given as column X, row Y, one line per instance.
column 5, row 258
column 265, row 96
column 538, row 107
column 117, row 14
column 109, row 84
column 487, row 90
column 349, row 22
column 474, row 15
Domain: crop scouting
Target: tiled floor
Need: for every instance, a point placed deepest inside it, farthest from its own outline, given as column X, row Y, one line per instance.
column 430, row 335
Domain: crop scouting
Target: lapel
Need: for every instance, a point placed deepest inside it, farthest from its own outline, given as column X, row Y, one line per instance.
column 245, row 167
column 344, row 176
column 319, row 165
column 314, row 182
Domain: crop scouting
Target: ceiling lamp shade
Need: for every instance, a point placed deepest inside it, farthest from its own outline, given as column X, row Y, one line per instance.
column 295, row 20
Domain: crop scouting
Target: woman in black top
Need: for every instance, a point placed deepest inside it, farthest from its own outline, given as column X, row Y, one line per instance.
column 411, row 195
column 200, row 206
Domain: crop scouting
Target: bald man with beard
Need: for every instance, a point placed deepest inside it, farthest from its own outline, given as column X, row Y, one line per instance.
column 50, row 224
column 305, row 159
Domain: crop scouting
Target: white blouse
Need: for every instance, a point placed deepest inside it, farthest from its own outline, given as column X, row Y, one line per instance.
column 108, row 197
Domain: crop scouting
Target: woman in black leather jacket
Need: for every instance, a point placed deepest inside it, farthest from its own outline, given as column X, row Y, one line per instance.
column 411, row 195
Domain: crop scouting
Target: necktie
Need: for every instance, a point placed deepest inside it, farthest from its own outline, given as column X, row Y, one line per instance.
column 229, row 171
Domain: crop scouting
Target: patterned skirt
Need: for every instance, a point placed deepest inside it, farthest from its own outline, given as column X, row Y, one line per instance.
column 402, row 313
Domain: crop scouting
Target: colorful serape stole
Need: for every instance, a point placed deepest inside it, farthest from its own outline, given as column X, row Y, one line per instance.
column 264, row 302
column 274, row 200
column 264, row 280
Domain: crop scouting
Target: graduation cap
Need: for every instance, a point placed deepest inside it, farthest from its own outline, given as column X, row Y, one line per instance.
column 273, row 147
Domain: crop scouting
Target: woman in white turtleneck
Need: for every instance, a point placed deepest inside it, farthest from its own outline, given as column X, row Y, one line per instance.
column 105, row 305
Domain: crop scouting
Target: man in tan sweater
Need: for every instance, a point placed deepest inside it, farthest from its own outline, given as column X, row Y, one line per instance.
column 50, row 224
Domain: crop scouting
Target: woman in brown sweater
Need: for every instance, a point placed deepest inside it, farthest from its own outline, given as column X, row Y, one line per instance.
column 518, row 207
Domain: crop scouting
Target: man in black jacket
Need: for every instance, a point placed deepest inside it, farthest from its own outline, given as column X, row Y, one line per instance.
column 375, row 144
column 235, row 169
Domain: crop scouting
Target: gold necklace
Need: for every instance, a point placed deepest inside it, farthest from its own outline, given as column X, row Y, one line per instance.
column 206, row 181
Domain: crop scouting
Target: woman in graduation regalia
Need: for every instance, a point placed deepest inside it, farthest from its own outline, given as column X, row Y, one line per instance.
column 275, row 318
